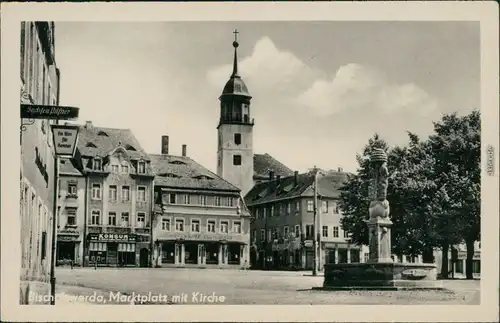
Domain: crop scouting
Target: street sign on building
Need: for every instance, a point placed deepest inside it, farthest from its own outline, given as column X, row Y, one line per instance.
column 65, row 139
column 55, row 112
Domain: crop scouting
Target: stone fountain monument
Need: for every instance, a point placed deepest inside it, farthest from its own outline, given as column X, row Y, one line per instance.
column 380, row 271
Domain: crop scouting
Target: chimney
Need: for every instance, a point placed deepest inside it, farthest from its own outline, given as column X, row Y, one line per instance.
column 271, row 175
column 164, row 145
column 296, row 177
column 184, row 148
column 88, row 124
column 340, row 169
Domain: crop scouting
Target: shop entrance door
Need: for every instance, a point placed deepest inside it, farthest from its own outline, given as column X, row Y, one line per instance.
column 112, row 254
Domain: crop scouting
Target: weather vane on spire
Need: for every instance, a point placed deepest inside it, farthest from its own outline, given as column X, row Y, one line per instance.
column 235, row 43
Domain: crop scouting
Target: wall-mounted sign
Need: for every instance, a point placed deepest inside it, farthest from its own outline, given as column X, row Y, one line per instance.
column 205, row 237
column 112, row 237
column 65, row 139
column 33, row 111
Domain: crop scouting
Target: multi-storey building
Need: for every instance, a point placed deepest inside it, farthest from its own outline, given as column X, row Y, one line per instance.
column 200, row 219
column 105, row 211
column 283, row 227
column 39, row 85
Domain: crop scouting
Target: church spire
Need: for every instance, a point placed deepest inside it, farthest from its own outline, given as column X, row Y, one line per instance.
column 235, row 62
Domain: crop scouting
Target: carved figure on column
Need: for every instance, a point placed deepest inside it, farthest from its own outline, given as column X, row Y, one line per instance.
column 379, row 206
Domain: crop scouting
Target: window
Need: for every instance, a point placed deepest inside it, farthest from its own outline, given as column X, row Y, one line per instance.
column 217, row 200
column 324, row 231
column 335, row 208
column 224, row 226
column 237, row 227
column 297, row 206
column 367, row 256
column 272, row 211
column 297, row 231
column 44, row 244
column 114, row 168
column 141, row 194
column 309, row 231
column 289, row 208
column 112, row 218
column 269, row 235
column 459, row 266
column 237, row 138
column 112, row 192
column 141, row 167
column 275, row 233
column 346, row 234
column 310, row 206
column 286, row 232
column 165, row 224
column 71, row 219
column 236, row 160
column 72, row 189
column 211, row 226
column 195, row 225
column 179, row 225
column 230, row 201
column 125, row 169
column 95, row 218
column 203, row 200
column 141, row 220
column 262, row 234
column 256, row 213
column 335, row 232
column 97, row 165
column 476, row 266
column 324, row 206
column 96, row 191
column 187, row 199
column 125, row 193
column 264, row 213
column 125, row 218
column 172, row 198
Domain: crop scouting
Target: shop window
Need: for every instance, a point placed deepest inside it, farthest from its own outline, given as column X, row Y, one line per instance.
column 126, row 254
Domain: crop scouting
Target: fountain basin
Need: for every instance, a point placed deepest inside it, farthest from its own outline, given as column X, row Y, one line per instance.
column 381, row 276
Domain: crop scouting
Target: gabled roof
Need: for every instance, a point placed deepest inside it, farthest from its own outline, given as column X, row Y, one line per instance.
column 264, row 163
column 183, row 172
column 66, row 167
column 269, row 191
column 97, row 141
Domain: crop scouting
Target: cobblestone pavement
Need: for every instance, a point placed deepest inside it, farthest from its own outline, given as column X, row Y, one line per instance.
column 189, row 286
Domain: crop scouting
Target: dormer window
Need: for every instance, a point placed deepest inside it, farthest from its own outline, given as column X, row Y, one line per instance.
column 169, row 175
column 90, row 145
column 141, row 167
column 102, row 133
column 97, row 164
column 125, row 169
column 130, row 148
column 203, row 177
column 177, row 162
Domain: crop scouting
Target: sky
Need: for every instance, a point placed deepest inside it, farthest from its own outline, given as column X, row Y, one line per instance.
column 320, row 89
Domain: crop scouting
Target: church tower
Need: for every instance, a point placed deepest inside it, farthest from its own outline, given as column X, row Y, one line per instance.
column 235, row 131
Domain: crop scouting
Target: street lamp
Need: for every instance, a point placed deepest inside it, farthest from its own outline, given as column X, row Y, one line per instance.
column 65, row 138
column 317, row 224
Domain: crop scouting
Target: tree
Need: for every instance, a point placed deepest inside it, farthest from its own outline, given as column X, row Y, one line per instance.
column 456, row 147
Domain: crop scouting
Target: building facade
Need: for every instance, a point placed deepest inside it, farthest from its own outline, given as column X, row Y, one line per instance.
column 105, row 209
column 283, row 228
column 235, row 159
column 39, row 85
column 200, row 219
